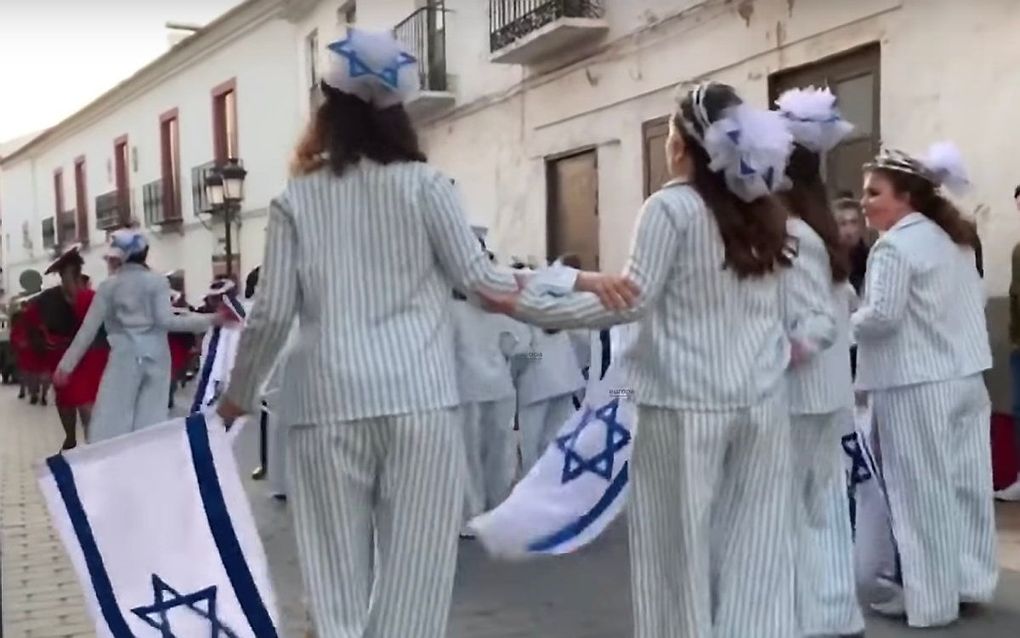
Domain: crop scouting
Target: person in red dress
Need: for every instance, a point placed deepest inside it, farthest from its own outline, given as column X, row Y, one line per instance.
column 64, row 309
column 182, row 345
column 29, row 340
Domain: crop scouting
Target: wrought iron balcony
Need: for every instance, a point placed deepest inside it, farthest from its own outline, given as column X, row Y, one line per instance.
column 161, row 204
column 199, row 201
column 49, row 233
column 424, row 34
column 67, row 227
column 113, row 210
column 530, row 31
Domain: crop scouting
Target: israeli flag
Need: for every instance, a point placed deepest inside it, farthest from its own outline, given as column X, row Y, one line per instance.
column 160, row 534
column 219, row 349
column 876, row 559
column 580, row 484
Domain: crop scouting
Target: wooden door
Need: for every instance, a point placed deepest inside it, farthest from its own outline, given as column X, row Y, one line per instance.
column 573, row 217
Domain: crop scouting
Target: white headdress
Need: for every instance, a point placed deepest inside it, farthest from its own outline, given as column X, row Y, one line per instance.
column 942, row 165
column 813, row 119
column 124, row 243
column 750, row 146
column 373, row 66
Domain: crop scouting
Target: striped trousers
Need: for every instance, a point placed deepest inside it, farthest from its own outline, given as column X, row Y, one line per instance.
column 377, row 504
column 936, row 461
column 711, row 524
column 826, row 594
column 488, row 442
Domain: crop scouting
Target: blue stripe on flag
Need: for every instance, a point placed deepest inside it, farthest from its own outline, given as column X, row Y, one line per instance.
column 236, row 304
column 222, row 529
column 207, row 366
column 575, row 528
column 101, row 584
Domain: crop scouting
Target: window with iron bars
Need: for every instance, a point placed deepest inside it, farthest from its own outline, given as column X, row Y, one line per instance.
column 511, row 20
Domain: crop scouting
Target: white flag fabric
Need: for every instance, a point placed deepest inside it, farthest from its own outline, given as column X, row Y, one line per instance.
column 160, row 534
column 219, row 349
column 876, row 560
column 581, row 482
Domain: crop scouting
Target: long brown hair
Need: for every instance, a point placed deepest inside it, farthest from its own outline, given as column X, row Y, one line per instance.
column 925, row 198
column 346, row 129
column 808, row 200
column 753, row 233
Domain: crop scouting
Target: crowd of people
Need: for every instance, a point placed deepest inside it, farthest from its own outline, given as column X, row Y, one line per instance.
column 764, row 311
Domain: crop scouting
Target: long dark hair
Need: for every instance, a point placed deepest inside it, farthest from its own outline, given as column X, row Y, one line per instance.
column 808, row 200
column 346, row 129
column 925, row 198
column 753, row 233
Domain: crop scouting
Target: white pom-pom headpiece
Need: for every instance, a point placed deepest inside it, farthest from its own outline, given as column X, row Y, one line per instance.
column 942, row 165
column 813, row 119
column 750, row 146
column 373, row 66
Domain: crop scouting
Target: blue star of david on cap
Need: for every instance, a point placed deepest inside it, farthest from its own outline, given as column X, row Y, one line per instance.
column 348, row 49
column 167, row 598
column 601, row 464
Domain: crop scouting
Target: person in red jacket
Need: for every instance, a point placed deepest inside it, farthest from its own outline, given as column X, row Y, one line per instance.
column 63, row 309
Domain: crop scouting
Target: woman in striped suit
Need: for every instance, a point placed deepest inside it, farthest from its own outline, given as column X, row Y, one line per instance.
column 710, row 523
column 922, row 348
column 817, row 314
column 362, row 247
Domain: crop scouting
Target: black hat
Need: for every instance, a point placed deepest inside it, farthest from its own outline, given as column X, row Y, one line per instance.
column 71, row 255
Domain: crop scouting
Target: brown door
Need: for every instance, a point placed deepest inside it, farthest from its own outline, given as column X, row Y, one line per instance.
column 573, row 219
column 654, row 134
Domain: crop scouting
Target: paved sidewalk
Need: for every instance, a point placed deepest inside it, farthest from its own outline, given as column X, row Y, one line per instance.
column 41, row 597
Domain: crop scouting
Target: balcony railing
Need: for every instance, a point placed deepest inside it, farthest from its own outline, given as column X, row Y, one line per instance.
column 424, row 33
column 49, row 233
column 160, row 204
column 113, row 210
column 511, row 20
column 198, row 198
column 67, row 227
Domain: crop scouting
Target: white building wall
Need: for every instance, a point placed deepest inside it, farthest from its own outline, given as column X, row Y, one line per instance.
column 262, row 61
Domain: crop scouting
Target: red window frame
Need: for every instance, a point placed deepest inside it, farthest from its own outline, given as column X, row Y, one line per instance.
column 223, row 147
column 81, row 200
column 170, row 163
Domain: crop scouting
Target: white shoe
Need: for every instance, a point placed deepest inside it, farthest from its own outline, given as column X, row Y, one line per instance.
column 894, row 607
column 1010, row 494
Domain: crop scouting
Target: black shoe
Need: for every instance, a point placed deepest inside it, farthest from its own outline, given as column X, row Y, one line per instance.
column 21, row 394
column 43, row 401
column 34, row 400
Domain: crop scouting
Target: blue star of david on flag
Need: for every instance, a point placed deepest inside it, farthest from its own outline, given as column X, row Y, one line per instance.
column 350, row 49
column 166, row 598
column 859, row 470
column 617, row 437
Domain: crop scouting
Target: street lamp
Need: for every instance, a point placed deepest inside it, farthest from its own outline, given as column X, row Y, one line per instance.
column 224, row 190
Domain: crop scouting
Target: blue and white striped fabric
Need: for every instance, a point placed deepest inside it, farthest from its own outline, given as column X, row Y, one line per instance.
column 219, row 348
column 581, row 482
column 158, row 529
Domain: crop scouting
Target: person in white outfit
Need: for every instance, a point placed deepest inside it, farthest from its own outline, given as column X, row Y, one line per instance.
column 922, row 348
column 817, row 315
column 545, row 392
column 133, row 305
column 363, row 246
column 710, row 518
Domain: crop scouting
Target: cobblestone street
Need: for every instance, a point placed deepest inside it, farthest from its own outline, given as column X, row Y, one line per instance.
column 585, row 595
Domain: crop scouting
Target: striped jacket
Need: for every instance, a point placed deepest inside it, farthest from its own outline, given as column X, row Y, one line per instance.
column 365, row 261
column 707, row 340
column 922, row 318
column 817, row 315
